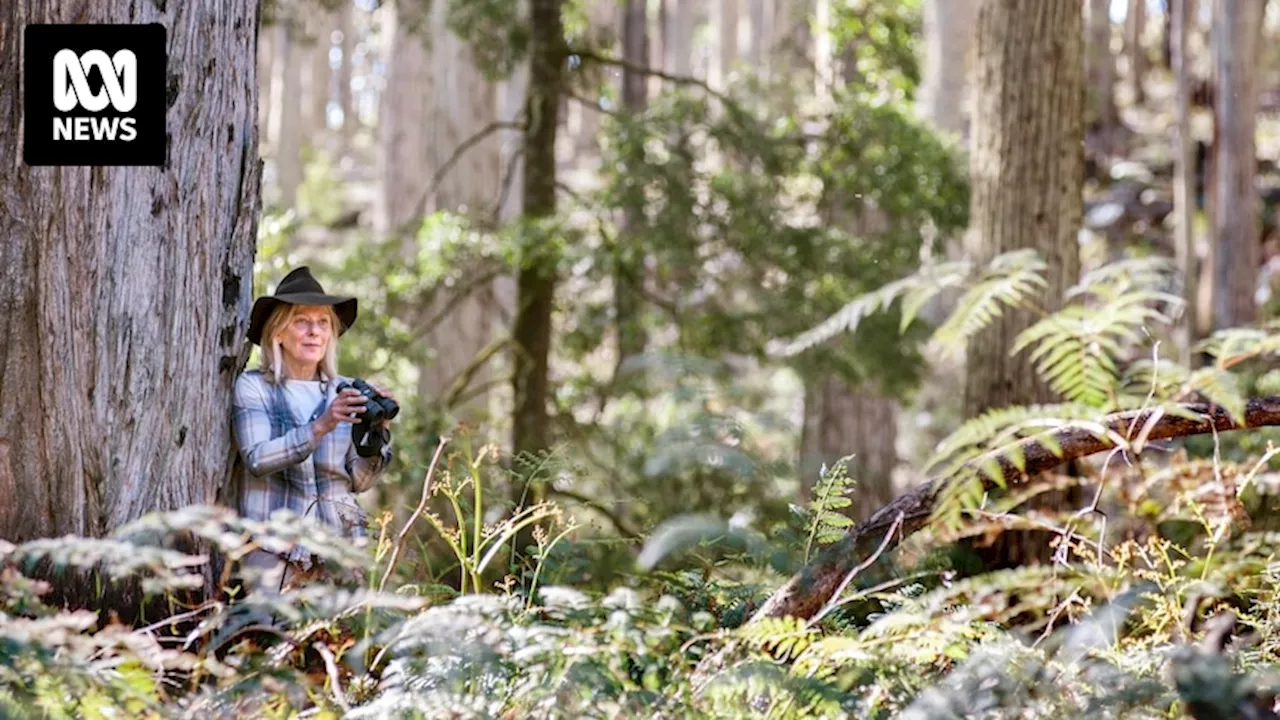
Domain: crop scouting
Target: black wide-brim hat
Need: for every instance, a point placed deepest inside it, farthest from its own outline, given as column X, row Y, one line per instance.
column 299, row 288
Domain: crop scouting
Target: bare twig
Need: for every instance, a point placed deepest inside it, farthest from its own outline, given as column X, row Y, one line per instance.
column 420, row 207
column 835, row 597
column 335, row 682
column 422, row 506
column 588, row 56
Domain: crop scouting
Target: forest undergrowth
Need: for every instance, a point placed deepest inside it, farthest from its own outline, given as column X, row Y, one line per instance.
column 1162, row 599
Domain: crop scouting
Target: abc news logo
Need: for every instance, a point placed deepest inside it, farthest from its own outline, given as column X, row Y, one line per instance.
column 94, row 95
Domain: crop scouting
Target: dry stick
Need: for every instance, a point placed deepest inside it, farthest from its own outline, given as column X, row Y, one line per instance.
column 809, row 590
column 331, row 667
column 422, row 506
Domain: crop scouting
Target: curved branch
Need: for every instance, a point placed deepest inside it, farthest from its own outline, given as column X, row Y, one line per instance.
column 809, row 590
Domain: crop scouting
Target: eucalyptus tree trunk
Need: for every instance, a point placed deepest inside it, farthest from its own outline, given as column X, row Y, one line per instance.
column 1027, row 174
column 346, row 101
column 1237, row 35
column 436, row 99
column 949, row 32
column 319, row 74
column 1102, row 71
column 287, row 134
column 678, row 33
column 124, row 291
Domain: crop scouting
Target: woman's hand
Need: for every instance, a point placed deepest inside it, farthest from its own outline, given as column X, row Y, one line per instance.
column 382, row 390
column 345, row 408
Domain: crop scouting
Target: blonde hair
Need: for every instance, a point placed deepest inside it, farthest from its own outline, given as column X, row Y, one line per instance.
column 272, row 360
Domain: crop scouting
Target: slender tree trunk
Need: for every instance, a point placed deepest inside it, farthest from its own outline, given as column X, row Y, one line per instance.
column 1135, row 26
column 346, row 102
column 1237, row 36
column 319, row 74
column 629, row 276
column 678, row 35
column 761, row 13
column 1102, row 71
column 729, row 11
column 1027, row 175
column 124, row 291
column 536, row 281
column 1183, row 180
column 949, row 32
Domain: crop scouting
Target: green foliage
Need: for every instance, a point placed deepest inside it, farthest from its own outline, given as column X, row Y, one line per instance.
column 826, row 524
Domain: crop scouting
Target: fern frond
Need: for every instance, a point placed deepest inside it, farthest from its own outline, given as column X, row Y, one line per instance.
column 1078, row 350
column 1232, row 345
column 1155, row 274
column 825, row 523
column 914, row 290
column 1010, row 281
column 784, row 637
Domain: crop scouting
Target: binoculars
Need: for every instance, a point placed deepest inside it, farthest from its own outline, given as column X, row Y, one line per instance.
column 368, row 437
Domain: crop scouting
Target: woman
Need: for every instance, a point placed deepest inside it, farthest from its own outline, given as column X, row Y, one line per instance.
column 292, row 427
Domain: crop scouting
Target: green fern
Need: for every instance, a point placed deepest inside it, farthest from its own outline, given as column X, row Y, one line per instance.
column 784, row 637
column 1078, row 350
column 1011, row 280
column 826, row 524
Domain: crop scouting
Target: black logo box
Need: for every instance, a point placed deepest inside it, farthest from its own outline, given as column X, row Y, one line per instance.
column 40, row 44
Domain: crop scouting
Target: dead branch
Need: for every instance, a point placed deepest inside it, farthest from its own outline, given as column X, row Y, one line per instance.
column 810, row 589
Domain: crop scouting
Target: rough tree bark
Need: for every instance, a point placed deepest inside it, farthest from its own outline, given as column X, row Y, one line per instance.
column 809, row 590
column 436, row 99
column 949, row 33
column 1237, row 34
column 1027, row 175
column 124, row 291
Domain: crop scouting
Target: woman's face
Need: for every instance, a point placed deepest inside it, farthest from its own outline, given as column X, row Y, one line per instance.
column 306, row 337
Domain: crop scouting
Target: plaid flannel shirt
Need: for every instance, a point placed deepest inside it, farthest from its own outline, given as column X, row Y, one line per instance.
column 288, row 468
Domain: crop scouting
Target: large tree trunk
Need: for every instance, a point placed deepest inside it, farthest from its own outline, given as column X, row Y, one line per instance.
column 536, row 281
column 948, row 31
column 1237, row 35
column 319, row 74
column 124, row 291
column 1027, row 177
column 436, row 99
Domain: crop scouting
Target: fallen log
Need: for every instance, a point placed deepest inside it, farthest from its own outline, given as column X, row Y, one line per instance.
column 806, row 593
